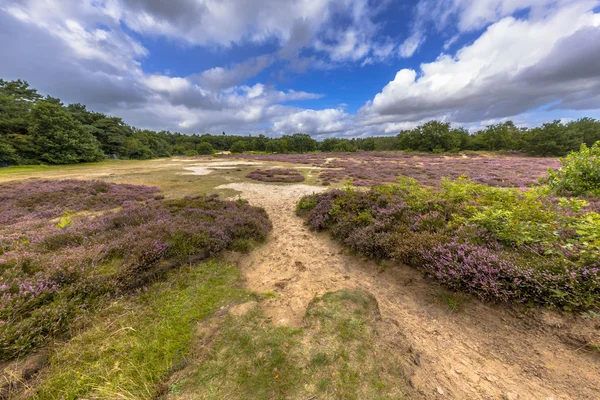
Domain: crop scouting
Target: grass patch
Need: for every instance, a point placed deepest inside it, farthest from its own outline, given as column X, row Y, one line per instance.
column 453, row 301
column 334, row 356
column 252, row 359
column 137, row 343
column 342, row 339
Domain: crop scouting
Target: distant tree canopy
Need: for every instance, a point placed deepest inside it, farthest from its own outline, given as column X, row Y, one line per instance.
column 36, row 129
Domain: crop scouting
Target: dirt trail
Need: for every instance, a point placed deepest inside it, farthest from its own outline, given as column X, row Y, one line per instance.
column 479, row 352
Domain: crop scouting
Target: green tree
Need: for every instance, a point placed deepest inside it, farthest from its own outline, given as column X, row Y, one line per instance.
column 433, row 136
column 273, row 146
column 590, row 129
column 112, row 133
column 498, row 137
column 553, row 139
column 16, row 100
column 205, row 149
column 59, row 137
column 345, row 146
column 302, row 143
column 238, row 147
column 367, row 144
column 156, row 143
column 8, row 154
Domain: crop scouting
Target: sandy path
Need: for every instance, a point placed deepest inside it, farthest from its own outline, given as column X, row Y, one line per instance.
column 481, row 352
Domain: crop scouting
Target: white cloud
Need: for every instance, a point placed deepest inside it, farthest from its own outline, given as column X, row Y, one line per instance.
column 296, row 24
column 327, row 121
column 218, row 78
column 461, row 16
column 410, row 45
column 500, row 73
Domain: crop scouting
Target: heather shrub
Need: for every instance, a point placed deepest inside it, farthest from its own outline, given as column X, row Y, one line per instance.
column 579, row 174
column 56, row 265
column 46, row 199
column 276, row 175
column 498, row 244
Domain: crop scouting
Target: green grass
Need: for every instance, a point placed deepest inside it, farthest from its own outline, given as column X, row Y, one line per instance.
column 454, row 301
column 252, row 359
column 136, row 344
column 334, row 356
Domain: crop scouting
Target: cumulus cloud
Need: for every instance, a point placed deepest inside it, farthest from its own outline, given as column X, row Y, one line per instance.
column 514, row 66
column 463, row 16
column 218, row 78
column 63, row 51
column 294, row 23
column 85, row 51
column 328, row 121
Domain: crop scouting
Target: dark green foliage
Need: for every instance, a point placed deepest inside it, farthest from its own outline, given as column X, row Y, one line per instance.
column 341, row 145
column 553, row 139
column 59, row 138
column 8, row 154
column 550, row 139
column 503, row 136
column 238, row 147
column 433, row 136
column 16, row 99
column 589, row 128
column 205, row 149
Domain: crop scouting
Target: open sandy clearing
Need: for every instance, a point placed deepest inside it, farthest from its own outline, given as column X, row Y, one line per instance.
column 480, row 352
column 208, row 167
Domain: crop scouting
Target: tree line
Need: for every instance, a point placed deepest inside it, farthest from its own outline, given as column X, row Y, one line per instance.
column 35, row 129
column 550, row 139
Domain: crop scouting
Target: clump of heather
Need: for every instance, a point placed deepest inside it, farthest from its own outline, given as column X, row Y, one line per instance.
column 498, row 244
column 501, row 276
column 53, row 270
column 276, row 175
column 50, row 199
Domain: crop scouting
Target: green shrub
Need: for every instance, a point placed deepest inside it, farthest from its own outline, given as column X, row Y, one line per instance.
column 238, row 147
column 205, row 149
column 579, row 174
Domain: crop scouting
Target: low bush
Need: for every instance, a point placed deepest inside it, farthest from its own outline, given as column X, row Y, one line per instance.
column 276, row 175
column 579, row 174
column 496, row 243
column 83, row 241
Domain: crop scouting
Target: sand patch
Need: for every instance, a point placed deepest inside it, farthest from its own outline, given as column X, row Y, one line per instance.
column 206, row 168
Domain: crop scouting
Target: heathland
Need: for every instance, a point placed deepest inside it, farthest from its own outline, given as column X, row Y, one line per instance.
column 321, row 275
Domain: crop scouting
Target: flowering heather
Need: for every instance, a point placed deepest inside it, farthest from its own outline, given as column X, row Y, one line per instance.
column 502, row 276
column 372, row 168
column 51, row 272
column 276, row 175
column 496, row 243
column 50, row 199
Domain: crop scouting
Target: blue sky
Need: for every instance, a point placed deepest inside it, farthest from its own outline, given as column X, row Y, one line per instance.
column 340, row 68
